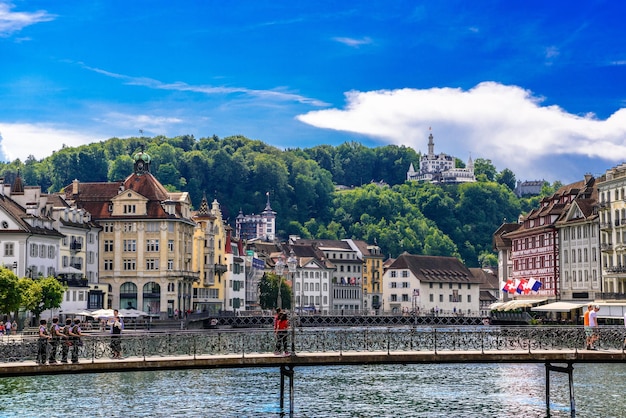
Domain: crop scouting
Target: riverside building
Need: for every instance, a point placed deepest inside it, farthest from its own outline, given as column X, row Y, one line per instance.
column 146, row 243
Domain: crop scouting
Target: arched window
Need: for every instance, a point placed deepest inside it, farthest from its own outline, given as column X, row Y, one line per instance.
column 128, row 296
column 152, row 298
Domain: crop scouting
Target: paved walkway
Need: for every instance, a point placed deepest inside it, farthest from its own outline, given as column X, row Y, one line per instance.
column 104, row 365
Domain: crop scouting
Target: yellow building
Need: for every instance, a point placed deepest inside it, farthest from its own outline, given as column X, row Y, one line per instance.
column 145, row 246
column 209, row 258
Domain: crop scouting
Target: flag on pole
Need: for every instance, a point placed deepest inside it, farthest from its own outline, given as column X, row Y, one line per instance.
column 534, row 285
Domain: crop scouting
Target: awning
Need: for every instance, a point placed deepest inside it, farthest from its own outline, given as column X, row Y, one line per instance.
column 559, row 307
column 518, row 304
column 611, row 310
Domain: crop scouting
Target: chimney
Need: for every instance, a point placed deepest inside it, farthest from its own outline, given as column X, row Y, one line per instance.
column 75, row 187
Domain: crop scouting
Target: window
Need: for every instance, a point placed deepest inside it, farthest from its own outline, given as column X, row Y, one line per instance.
column 405, row 297
column 394, row 298
column 405, row 273
column 42, row 250
column 108, row 227
column 108, row 245
column 431, row 297
column 393, row 285
column 170, row 245
column 90, row 257
column 152, row 227
column 170, row 264
column 34, row 250
column 152, row 264
column 130, row 264
column 66, row 261
column 152, row 245
column 129, row 227
column 130, row 209
column 130, row 245
column 393, row 273
column 108, row 265
column 8, row 249
column 51, row 251
column 405, row 285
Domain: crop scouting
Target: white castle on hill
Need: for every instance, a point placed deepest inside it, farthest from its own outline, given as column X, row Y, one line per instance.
column 440, row 168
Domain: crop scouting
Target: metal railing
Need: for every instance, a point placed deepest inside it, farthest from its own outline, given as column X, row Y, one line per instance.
column 323, row 340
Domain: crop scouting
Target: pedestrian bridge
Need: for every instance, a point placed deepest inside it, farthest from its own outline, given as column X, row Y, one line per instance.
column 327, row 346
column 322, row 346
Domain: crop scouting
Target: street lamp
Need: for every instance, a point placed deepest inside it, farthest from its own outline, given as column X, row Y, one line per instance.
column 292, row 263
column 279, row 268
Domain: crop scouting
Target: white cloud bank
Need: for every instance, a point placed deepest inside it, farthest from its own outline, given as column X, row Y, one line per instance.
column 505, row 124
column 11, row 22
column 19, row 140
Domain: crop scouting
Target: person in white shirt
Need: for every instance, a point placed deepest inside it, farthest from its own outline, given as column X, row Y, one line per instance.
column 593, row 324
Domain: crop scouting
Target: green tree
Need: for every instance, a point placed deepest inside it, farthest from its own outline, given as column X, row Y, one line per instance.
column 268, row 292
column 485, row 168
column 41, row 294
column 507, row 178
column 120, row 168
column 10, row 294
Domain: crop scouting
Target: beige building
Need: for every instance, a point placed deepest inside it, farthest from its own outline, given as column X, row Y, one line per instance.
column 145, row 246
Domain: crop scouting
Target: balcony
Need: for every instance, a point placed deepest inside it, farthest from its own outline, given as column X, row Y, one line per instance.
column 606, row 247
column 220, row 269
column 73, row 281
column 611, row 296
column 605, row 225
column 615, row 269
column 76, row 246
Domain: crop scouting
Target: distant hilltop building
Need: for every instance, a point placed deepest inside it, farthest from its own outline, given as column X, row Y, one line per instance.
column 528, row 188
column 257, row 227
column 440, row 168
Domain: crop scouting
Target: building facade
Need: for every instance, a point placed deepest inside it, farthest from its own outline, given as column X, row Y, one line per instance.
column 430, row 284
column 146, row 243
column 257, row 227
column 612, row 213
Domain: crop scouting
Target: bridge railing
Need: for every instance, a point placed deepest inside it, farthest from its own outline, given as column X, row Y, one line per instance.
column 319, row 340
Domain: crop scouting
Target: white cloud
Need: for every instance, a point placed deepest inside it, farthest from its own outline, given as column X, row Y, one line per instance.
column 276, row 94
column 132, row 123
column 353, row 42
column 19, row 140
column 11, row 22
column 505, row 124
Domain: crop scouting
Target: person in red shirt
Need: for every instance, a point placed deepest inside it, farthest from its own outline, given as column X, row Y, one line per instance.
column 281, row 328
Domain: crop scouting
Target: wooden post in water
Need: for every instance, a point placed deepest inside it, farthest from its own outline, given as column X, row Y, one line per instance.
column 570, row 373
column 286, row 371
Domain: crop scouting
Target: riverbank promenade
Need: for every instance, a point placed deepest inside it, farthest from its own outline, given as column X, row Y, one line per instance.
column 144, row 351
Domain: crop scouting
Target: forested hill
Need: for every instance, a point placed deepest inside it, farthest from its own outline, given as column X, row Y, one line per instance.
column 377, row 205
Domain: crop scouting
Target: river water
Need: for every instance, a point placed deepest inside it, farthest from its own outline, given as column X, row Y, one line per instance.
column 376, row 391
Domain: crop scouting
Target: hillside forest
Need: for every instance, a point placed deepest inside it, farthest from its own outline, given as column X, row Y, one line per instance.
column 324, row 192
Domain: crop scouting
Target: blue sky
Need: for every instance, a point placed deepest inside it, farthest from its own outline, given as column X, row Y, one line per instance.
column 538, row 87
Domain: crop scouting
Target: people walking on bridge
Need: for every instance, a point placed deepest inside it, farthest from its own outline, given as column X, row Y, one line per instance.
column 281, row 331
column 593, row 324
column 55, row 334
column 67, row 340
column 42, row 343
column 75, row 334
column 586, row 327
column 117, row 325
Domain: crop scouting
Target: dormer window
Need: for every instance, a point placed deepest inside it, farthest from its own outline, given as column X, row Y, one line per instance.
column 130, row 209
